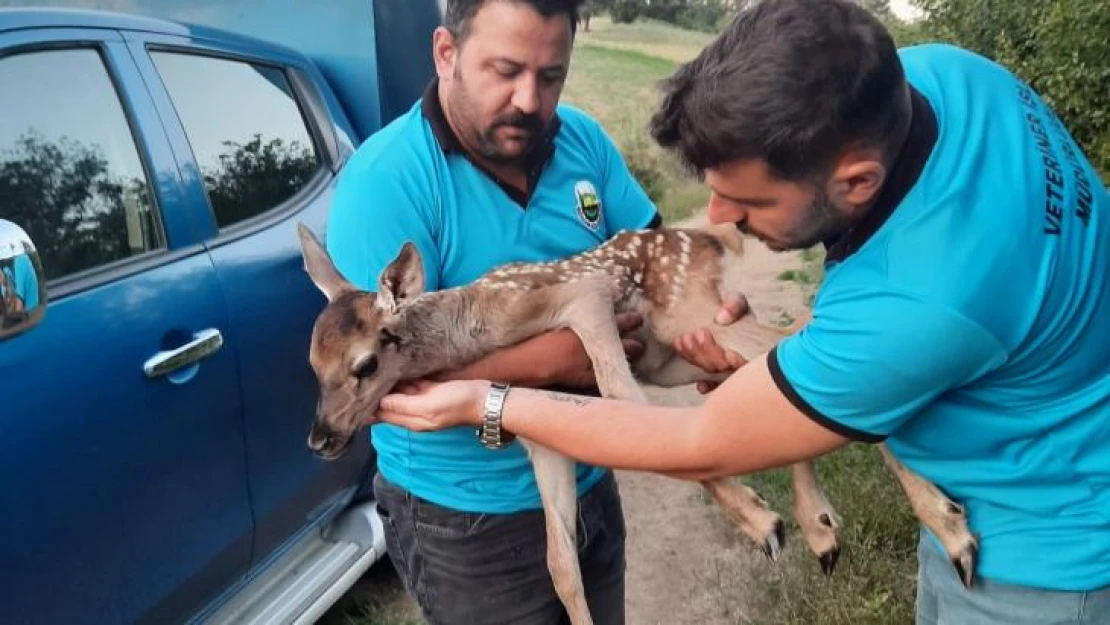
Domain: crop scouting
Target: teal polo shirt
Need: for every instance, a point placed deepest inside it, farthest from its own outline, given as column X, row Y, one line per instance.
column 966, row 322
column 413, row 181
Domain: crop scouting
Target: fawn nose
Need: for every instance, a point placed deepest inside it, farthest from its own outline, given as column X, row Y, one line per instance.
column 321, row 438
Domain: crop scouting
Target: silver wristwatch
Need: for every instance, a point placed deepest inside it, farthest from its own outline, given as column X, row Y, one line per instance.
column 490, row 433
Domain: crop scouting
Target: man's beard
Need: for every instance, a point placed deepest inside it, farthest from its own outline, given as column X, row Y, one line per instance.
column 822, row 221
column 484, row 141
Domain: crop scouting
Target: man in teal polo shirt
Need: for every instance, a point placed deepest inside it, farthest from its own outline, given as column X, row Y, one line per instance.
column 964, row 317
column 486, row 169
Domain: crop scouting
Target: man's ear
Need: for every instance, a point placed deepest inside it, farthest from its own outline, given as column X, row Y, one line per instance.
column 444, row 52
column 402, row 280
column 319, row 266
column 858, row 178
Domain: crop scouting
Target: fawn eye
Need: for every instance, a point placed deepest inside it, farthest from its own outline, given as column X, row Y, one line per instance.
column 366, row 366
column 388, row 338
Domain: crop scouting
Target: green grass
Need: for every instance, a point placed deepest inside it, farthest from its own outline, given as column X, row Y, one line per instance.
column 651, row 37
column 875, row 580
column 614, row 75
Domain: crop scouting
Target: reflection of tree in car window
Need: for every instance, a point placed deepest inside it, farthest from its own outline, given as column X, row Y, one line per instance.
column 70, row 171
column 246, row 131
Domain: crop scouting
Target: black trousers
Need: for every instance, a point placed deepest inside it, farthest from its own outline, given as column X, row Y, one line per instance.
column 467, row 568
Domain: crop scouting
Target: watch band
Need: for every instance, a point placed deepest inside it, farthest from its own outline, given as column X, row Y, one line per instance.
column 490, row 433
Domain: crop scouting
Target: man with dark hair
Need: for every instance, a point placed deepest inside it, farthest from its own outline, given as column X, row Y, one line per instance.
column 486, row 169
column 962, row 319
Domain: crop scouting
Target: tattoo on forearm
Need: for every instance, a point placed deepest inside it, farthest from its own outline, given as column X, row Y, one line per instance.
column 570, row 399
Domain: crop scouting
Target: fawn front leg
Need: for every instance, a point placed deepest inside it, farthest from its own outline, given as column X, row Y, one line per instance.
column 945, row 518
column 816, row 517
column 743, row 506
column 751, row 513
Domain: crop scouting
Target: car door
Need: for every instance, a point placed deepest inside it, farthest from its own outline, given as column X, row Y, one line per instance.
column 263, row 164
column 123, row 492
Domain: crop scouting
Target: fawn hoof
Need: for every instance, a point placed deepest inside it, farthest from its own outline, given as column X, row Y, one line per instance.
column 829, row 559
column 964, row 563
column 773, row 545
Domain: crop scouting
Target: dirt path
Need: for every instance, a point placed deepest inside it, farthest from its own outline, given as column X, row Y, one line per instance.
column 686, row 565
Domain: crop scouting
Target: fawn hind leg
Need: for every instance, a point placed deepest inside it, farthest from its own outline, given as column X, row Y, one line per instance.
column 558, row 492
column 943, row 517
column 743, row 506
column 819, row 522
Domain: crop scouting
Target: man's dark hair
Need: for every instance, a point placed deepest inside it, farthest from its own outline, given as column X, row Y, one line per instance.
column 791, row 82
column 457, row 16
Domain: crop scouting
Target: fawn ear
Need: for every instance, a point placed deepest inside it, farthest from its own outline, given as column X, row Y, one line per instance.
column 402, row 280
column 319, row 266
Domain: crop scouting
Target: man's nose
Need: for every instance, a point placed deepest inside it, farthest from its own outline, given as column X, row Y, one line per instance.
column 526, row 96
column 722, row 211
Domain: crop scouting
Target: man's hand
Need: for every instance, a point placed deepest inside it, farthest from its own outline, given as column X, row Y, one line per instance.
column 422, row 405
column 700, row 348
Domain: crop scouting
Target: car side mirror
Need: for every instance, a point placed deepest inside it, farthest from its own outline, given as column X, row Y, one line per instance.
column 22, row 283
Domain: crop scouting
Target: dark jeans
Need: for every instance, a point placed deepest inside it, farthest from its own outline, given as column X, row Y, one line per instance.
column 476, row 569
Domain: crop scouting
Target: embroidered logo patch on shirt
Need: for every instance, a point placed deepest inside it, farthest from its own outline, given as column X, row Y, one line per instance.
column 589, row 204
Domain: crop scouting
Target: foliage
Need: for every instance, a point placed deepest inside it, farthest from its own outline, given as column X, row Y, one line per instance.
column 63, row 195
column 78, row 211
column 1060, row 47
column 625, row 11
column 702, row 15
column 255, row 176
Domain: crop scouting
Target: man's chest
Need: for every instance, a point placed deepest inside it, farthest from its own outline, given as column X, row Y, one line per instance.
column 486, row 226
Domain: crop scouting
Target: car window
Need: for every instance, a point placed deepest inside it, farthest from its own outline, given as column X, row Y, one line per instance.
column 246, row 131
column 70, row 171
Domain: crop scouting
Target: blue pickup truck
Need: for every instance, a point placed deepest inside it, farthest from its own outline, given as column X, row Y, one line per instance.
column 155, row 392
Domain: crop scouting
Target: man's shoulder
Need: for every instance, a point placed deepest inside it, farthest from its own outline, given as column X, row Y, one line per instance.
column 954, row 78
column 941, row 55
column 578, row 124
column 402, row 148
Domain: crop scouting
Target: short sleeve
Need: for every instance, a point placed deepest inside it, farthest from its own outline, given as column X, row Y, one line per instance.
column 373, row 213
column 868, row 361
column 625, row 203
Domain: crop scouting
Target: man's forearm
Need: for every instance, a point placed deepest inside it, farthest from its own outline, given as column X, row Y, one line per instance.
column 541, row 361
column 746, row 426
column 581, row 427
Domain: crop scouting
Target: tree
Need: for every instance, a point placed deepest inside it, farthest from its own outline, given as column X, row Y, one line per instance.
column 1060, row 47
column 879, row 8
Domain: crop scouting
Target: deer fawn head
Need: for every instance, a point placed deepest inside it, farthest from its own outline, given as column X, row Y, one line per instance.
column 358, row 343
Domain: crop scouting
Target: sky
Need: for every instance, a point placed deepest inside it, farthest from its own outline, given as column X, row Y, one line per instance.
column 903, row 9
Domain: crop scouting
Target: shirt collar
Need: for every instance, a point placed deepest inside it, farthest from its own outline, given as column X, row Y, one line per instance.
column 907, row 168
column 450, row 143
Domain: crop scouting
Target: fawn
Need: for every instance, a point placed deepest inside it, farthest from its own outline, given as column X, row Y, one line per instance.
column 363, row 343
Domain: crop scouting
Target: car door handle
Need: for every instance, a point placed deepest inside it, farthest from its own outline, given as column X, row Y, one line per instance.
column 204, row 344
